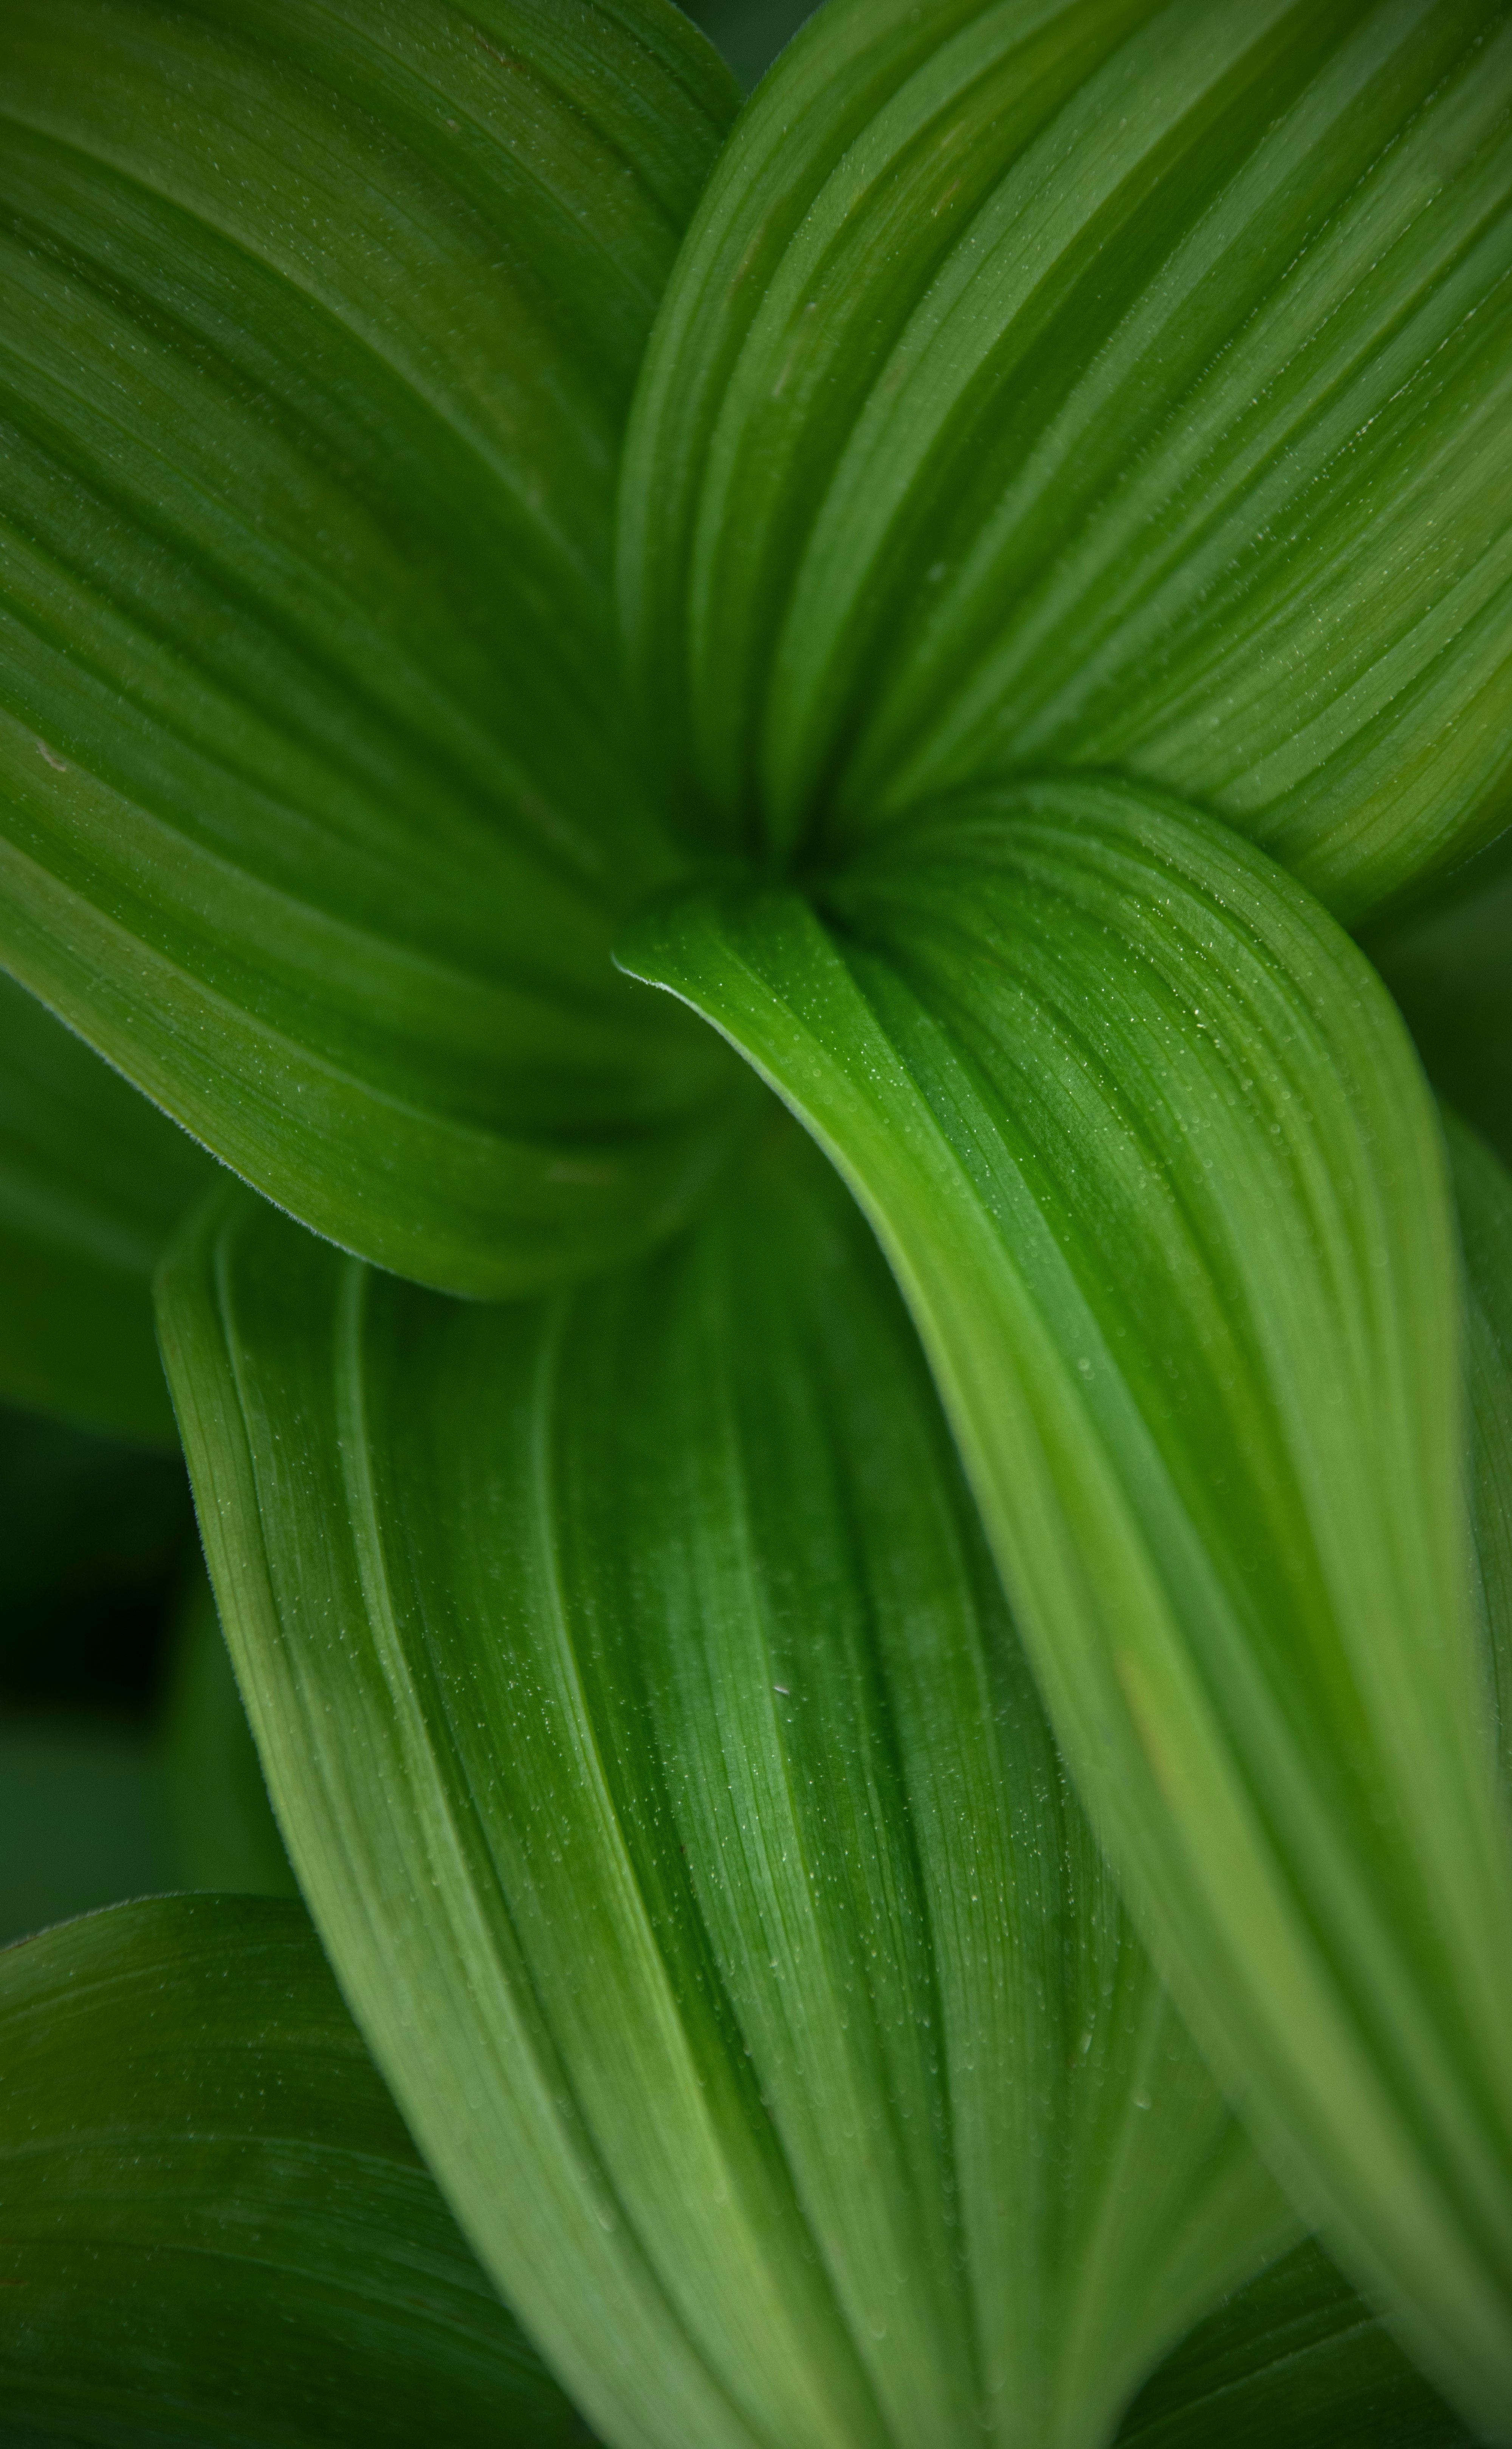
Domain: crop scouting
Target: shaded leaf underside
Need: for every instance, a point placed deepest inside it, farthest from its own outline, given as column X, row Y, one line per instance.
column 1293, row 2362
column 216, row 2229
column 92, row 1182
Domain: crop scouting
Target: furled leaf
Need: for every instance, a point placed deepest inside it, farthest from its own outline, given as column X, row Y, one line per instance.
column 659, row 1762
column 216, row 2229
column 1155, row 1166
column 223, row 1834
column 1483, row 1191
column 318, row 332
column 1294, row 2361
column 1450, row 970
column 93, row 1181
column 1103, row 383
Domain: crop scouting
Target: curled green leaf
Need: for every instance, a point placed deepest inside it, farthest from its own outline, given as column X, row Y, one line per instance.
column 1094, row 383
column 1155, row 1166
column 655, row 1752
column 318, row 332
column 217, row 2233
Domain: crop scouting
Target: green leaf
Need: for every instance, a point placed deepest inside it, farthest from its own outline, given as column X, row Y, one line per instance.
column 1099, row 383
column 81, row 1818
column 1450, row 970
column 223, row 1834
column 660, row 1765
column 1153, row 1161
column 1483, row 1191
column 93, row 1181
column 216, row 2229
column 750, row 32
column 318, row 333
column 94, row 1536
column 1293, row 2362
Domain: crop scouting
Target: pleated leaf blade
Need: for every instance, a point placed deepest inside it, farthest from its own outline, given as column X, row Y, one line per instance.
column 315, row 813
column 217, row 2231
column 1103, row 383
column 655, row 1752
column 1296, row 2357
column 1154, row 1161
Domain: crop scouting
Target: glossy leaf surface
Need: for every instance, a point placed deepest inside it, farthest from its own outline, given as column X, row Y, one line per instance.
column 1152, row 1158
column 93, row 1181
column 216, row 2229
column 1098, row 383
column 657, row 1757
column 318, row 331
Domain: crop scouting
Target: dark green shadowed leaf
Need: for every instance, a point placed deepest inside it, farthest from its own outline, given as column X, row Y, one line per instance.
column 750, row 32
column 656, row 1754
column 224, row 1835
column 1293, row 2362
column 318, row 327
column 93, row 1181
column 217, row 2233
column 1152, row 1156
column 94, row 1536
column 1450, row 970
column 1100, row 383
column 1483, row 1191
column 82, row 1819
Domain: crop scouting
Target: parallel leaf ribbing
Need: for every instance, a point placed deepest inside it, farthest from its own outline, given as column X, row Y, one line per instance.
column 650, row 1735
column 1155, row 1167
column 217, row 2231
column 1115, row 385
column 316, row 810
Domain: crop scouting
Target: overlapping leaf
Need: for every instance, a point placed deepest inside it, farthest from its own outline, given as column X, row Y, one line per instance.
column 1483, row 1191
column 1293, row 2362
column 225, row 1837
column 1450, row 970
column 318, row 331
column 1158, row 1170
column 93, row 1181
column 216, row 2229
column 657, row 1757
column 1101, row 384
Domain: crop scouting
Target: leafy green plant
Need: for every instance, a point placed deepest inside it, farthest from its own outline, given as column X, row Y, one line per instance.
column 757, row 776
